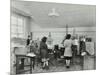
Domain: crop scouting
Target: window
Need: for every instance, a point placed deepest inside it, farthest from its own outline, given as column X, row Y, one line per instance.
column 17, row 26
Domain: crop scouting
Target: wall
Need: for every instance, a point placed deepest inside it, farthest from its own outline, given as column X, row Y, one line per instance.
column 27, row 26
column 58, row 34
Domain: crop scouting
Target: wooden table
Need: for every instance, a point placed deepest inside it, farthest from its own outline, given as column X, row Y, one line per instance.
column 23, row 57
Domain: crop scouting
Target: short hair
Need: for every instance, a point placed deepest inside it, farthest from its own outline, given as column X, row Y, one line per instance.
column 29, row 36
column 68, row 36
column 44, row 39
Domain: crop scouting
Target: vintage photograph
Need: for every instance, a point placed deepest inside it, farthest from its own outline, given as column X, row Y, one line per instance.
column 52, row 37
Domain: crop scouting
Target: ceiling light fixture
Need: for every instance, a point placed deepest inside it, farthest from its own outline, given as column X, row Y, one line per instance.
column 53, row 13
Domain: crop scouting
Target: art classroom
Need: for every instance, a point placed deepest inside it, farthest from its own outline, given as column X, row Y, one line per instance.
column 52, row 37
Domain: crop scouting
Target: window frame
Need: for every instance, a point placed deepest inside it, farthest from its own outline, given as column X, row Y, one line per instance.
column 19, row 27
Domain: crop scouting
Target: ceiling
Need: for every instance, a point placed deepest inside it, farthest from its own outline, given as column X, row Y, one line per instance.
column 73, row 15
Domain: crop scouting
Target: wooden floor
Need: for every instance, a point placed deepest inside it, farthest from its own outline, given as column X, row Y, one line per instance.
column 89, row 64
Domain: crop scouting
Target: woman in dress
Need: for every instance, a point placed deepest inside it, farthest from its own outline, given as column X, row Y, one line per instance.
column 68, row 51
column 44, row 52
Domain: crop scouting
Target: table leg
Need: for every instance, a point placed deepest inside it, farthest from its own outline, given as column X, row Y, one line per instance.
column 82, row 62
column 22, row 63
column 33, row 62
column 16, row 64
column 30, row 65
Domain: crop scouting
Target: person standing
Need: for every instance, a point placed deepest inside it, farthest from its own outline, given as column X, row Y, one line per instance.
column 44, row 53
column 75, row 46
column 28, row 40
column 82, row 45
column 75, row 49
column 68, row 50
column 28, row 43
column 50, row 43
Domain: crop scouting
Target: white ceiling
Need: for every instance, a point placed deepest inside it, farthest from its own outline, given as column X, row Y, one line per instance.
column 71, row 14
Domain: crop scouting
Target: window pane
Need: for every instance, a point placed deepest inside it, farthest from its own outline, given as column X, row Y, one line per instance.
column 13, row 20
column 13, row 35
column 14, row 29
column 20, row 35
column 20, row 25
column 20, row 21
column 20, row 30
column 17, row 26
column 14, row 25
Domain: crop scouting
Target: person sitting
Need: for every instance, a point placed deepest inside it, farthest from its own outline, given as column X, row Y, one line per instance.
column 62, row 50
column 56, row 52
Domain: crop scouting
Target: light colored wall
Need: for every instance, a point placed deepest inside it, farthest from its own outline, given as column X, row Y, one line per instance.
column 27, row 26
column 58, row 34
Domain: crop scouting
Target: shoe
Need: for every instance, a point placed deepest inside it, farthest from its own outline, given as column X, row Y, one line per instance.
column 67, row 66
column 43, row 67
column 47, row 67
column 33, row 67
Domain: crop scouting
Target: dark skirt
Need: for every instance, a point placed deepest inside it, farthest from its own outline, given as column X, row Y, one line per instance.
column 44, row 53
column 74, row 49
column 68, row 57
